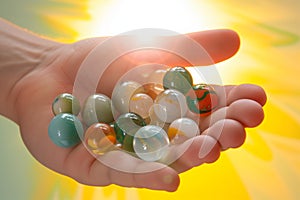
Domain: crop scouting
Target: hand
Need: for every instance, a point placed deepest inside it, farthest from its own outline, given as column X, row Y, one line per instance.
column 56, row 74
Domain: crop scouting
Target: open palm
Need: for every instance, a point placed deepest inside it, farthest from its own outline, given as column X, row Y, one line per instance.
column 242, row 106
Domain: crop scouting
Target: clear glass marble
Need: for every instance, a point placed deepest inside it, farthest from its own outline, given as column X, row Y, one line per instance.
column 121, row 95
column 150, row 143
column 100, row 138
column 172, row 105
column 140, row 104
column 182, row 129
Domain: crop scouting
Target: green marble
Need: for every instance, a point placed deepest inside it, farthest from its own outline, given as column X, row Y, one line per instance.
column 65, row 103
column 97, row 108
column 128, row 143
column 65, row 130
column 178, row 78
column 127, row 124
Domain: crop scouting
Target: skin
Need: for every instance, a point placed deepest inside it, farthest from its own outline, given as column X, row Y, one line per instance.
column 34, row 70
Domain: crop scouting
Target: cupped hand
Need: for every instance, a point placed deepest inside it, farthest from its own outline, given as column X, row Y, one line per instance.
column 241, row 107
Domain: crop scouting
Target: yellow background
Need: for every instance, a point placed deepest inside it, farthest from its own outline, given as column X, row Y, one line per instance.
column 267, row 166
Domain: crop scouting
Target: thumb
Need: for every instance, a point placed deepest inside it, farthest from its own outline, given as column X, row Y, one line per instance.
column 110, row 58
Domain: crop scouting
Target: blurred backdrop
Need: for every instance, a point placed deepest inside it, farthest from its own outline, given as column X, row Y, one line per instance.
column 267, row 166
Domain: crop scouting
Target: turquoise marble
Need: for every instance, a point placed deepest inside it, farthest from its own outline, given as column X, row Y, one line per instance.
column 65, row 130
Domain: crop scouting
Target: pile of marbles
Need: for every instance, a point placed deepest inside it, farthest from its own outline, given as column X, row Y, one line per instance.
column 141, row 119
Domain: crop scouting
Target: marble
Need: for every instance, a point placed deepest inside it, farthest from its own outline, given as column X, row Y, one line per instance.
column 65, row 130
column 128, row 144
column 121, row 95
column 172, row 105
column 153, row 89
column 202, row 99
column 140, row 104
column 178, row 78
column 154, row 120
column 182, row 129
column 97, row 108
column 150, row 143
column 127, row 124
column 100, row 138
column 65, row 103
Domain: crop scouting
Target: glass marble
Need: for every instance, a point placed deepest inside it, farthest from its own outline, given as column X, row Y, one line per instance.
column 172, row 105
column 65, row 130
column 153, row 89
column 65, row 103
column 122, row 93
column 178, row 78
column 154, row 120
column 100, row 138
column 182, row 129
column 202, row 99
column 97, row 108
column 128, row 144
column 140, row 104
column 127, row 124
column 150, row 143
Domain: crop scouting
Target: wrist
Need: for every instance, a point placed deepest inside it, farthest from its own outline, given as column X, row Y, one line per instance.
column 21, row 52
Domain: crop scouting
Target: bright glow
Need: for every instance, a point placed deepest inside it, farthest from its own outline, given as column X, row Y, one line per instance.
column 118, row 16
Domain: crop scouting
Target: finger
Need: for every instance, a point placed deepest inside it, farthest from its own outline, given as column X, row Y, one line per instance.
column 163, row 179
column 129, row 171
column 193, row 49
column 230, row 133
column 248, row 112
column 247, row 91
column 230, row 93
column 220, row 44
column 117, row 167
column 109, row 60
column 192, row 153
column 80, row 165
